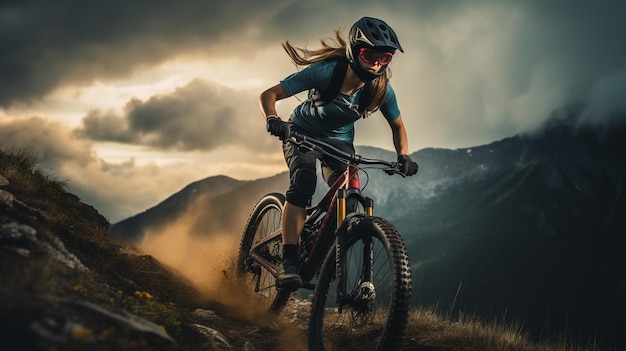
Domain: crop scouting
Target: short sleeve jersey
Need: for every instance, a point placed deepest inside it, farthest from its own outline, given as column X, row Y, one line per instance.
column 336, row 119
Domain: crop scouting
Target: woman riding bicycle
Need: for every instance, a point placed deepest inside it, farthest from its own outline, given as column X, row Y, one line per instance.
column 364, row 89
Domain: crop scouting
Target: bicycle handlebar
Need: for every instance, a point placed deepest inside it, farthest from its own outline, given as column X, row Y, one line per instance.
column 316, row 144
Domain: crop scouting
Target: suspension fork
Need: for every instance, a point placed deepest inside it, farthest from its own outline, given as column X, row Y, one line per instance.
column 349, row 181
column 345, row 297
column 340, row 259
column 341, row 265
column 368, row 259
column 342, row 294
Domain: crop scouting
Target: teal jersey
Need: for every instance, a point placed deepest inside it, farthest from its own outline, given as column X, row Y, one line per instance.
column 336, row 119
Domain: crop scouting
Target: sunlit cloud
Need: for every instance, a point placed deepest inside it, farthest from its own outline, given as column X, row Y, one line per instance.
column 197, row 116
column 125, row 185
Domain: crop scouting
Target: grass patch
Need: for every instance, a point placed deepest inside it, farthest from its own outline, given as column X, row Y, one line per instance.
column 20, row 167
column 433, row 331
column 145, row 305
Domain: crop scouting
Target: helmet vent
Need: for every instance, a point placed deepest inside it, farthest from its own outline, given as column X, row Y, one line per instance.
column 374, row 33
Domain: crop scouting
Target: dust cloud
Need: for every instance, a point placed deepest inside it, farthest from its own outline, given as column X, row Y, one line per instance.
column 209, row 262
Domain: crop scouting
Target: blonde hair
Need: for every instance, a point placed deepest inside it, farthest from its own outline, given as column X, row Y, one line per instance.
column 335, row 48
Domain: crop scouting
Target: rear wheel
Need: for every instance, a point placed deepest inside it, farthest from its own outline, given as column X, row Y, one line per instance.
column 264, row 221
column 378, row 280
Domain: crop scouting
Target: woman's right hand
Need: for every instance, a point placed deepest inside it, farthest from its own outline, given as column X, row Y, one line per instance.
column 277, row 127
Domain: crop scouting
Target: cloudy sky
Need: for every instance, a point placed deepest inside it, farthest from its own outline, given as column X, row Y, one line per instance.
column 129, row 101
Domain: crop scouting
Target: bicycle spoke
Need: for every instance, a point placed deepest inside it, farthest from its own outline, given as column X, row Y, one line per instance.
column 376, row 304
column 258, row 246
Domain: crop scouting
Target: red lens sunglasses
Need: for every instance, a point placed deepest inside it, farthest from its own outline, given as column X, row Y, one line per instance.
column 370, row 56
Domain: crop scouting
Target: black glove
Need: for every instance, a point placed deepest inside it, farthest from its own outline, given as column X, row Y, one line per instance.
column 277, row 127
column 407, row 166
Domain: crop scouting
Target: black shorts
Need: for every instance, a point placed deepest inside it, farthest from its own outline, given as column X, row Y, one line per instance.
column 302, row 170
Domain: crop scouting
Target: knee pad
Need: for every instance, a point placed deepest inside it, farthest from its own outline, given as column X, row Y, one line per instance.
column 304, row 181
column 302, row 187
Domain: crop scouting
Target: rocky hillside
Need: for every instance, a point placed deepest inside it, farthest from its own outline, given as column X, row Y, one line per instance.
column 67, row 285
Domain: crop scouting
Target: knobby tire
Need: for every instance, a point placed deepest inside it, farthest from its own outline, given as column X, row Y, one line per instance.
column 264, row 220
column 386, row 316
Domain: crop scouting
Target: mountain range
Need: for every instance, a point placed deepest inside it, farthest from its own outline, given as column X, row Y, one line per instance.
column 528, row 230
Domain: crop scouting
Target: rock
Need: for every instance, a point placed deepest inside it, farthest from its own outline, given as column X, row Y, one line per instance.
column 205, row 315
column 45, row 322
column 58, row 251
column 21, row 238
column 124, row 320
column 3, row 181
column 6, row 199
column 215, row 338
column 249, row 347
column 15, row 233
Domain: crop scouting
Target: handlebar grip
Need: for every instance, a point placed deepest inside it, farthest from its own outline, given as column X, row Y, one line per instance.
column 394, row 169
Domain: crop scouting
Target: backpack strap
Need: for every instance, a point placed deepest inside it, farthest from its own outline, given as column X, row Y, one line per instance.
column 364, row 99
column 321, row 98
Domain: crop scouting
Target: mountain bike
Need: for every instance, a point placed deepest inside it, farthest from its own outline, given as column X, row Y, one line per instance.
column 355, row 263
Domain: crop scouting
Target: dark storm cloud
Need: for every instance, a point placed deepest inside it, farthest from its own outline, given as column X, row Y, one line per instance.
column 193, row 117
column 106, row 126
column 47, row 44
column 44, row 44
column 488, row 64
column 580, row 41
column 492, row 69
column 198, row 116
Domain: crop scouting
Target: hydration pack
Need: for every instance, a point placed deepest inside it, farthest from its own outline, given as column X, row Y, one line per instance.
column 326, row 96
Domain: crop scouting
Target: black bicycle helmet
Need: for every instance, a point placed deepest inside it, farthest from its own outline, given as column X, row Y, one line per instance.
column 372, row 33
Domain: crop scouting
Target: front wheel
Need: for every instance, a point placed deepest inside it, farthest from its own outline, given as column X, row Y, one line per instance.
column 261, row 250
column 373, row 312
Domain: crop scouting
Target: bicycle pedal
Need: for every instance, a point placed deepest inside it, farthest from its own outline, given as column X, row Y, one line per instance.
column 289, row 285
column 288, row 281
